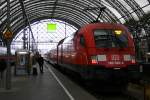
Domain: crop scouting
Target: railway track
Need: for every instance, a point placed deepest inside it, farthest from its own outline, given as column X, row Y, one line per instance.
column 109, row 92
column 103, row 91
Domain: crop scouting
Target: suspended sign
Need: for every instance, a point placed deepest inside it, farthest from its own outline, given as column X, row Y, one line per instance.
column 51, row 27
column 8, row 35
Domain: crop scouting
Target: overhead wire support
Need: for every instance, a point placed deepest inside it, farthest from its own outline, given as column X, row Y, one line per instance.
column 102, row 9
column 28, row 22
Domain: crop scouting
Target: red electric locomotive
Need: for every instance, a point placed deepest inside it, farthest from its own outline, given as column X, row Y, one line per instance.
column 98, row 50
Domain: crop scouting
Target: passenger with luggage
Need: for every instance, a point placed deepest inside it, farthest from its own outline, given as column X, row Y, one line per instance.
column 40, row 61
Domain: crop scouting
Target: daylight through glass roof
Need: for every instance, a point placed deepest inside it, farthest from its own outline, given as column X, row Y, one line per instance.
column 74, row 12
column 44, row 37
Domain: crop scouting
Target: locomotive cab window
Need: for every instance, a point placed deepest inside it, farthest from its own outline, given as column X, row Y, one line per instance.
column 82, row 40
column 110, row 38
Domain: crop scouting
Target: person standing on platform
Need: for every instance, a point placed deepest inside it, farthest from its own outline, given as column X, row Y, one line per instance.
column 40, row 61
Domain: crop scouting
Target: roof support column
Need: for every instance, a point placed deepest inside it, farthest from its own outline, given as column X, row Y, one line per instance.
column 8, row 70
column 28, row 22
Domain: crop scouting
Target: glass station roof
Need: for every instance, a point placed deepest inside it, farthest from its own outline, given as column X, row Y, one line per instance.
column 75, row 12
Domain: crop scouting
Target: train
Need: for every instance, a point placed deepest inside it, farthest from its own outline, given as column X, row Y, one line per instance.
column 102, row 51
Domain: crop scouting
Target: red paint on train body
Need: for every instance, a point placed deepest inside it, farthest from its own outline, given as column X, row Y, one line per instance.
column 98, row 50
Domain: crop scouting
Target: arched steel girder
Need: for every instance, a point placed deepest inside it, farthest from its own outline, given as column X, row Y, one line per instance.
column 136, row 8
column 48, row 9
column 30, row 5
column 18, row 7
column 13, row 4
column 76, row 5
column 76, row 19
column 34, row 20
column 70, row 13
column 22, row 20
column 41, row 11
column 61, row 14
column 2, row 27
column 15, row 8
column 3, row 16
column 120, row 8
column 85, row 16
column 83, row 5
column 16, row 16
column 110, row 16
column 14, row 27
column 79, row 7
column 22, row 25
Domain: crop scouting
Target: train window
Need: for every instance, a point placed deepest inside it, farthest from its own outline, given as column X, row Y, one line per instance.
column 120, row 39
column 82, row 41
column 102, row 38
column 110, row 38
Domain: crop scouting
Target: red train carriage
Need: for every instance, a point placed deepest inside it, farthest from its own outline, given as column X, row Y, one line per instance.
column 99, row 50
column 52, row 56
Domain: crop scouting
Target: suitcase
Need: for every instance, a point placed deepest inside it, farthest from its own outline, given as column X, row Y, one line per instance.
column 35, row 71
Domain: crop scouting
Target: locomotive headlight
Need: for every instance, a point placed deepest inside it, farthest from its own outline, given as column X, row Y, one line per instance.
column 94, row 59
column 101, row 57
column 133, row 59
column 127, row 57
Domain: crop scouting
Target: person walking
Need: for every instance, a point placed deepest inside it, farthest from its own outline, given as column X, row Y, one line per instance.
column 40, row 61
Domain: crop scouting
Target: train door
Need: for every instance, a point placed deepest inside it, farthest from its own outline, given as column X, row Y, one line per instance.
column 58, row 54
column 81, row 49
column 61, row 53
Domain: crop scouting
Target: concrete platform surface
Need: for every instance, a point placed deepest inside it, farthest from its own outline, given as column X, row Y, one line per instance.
column 46, row 86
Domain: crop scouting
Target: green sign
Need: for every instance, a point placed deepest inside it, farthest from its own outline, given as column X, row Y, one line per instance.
column 51, row 27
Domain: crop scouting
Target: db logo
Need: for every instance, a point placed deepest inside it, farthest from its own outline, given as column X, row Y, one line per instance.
column 115, row 57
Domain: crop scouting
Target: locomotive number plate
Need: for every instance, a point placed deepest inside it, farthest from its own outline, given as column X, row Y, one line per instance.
column 115, row 57
column 115, row 62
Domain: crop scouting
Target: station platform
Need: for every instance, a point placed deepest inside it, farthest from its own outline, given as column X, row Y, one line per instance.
column 51, row 85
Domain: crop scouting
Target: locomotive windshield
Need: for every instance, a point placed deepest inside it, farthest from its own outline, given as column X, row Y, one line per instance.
column 110, row 38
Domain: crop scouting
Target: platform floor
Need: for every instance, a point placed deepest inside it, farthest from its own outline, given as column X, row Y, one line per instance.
column 51, row 85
